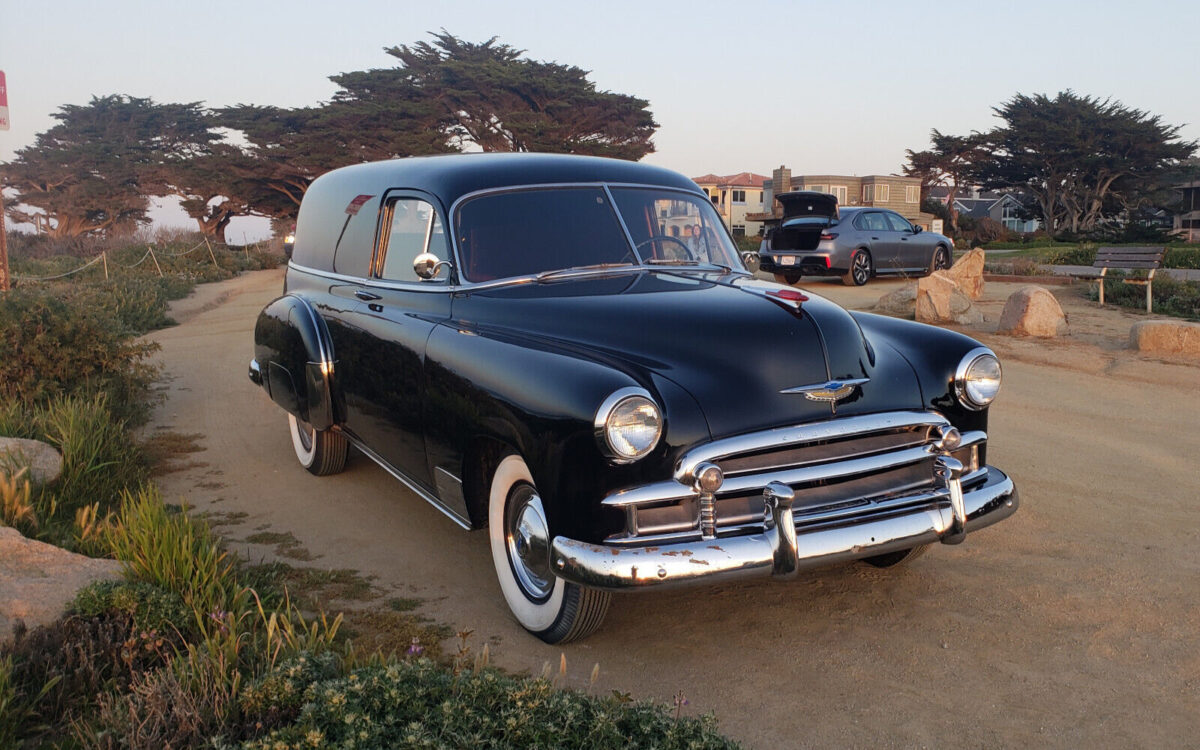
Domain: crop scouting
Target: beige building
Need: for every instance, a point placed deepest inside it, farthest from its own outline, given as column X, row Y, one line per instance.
column 900, row 194
column 736, row 197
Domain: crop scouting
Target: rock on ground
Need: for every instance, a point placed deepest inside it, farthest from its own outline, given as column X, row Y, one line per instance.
column 44, row 462
column 1033, row 311
column 38, row 580
column 900, row 302
column 939, row 300
column 1166, row 337
column 967, row 272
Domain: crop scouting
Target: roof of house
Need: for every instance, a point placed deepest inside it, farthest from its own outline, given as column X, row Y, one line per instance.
column 741, row 179
column 976, row 208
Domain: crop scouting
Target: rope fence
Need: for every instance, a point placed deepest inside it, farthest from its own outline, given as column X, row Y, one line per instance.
column 150, row 253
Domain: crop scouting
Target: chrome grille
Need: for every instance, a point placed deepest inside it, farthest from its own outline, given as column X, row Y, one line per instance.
column 839, row 468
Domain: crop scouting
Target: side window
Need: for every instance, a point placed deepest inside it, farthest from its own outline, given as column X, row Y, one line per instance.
column 898, row 223
column 413, row 226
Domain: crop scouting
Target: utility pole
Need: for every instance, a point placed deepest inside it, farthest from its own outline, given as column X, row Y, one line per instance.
column 5, row 284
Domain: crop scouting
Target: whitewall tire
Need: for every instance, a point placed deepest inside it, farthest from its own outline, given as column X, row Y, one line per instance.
column 322, row 452
column 545, row 605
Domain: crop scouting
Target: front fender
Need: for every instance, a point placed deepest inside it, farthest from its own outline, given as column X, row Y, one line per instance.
column 295, row 358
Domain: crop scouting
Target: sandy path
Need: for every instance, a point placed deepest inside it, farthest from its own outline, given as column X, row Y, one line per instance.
column 1076, row 623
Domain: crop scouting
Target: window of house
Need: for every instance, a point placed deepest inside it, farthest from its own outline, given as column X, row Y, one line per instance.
column 883, row 193
column 839, row 192
column 817, row 188
column 739, row 196
column 868, row 193
column 739, row 230
column 912, row 193
column 413, row 227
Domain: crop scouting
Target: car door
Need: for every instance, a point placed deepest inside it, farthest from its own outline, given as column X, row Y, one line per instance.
column 384, row 383
column 910, row 251
column 877, row 233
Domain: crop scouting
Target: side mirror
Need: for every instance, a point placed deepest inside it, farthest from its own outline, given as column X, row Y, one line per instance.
column 427, row 265
column 752, row 261
column 917, row 229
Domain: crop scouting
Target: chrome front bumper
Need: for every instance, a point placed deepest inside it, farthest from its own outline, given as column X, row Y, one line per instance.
column 945, row 517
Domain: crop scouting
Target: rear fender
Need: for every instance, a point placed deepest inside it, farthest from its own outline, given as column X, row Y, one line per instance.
column 295, row 356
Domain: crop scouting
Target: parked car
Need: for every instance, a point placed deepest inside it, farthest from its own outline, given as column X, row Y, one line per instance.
column 816, row 238
column 524, row 342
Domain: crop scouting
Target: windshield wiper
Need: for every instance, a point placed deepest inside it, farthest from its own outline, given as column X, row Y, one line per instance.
column 685, row 262
column 544, row 275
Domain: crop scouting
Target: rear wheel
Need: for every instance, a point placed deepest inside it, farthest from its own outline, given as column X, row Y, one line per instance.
column 547, row 606
column 322, row 452
column 787, row 277
column 894, row 559
column 860, row 268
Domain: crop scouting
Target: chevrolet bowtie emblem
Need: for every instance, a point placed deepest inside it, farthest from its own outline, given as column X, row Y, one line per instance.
column 830, row 393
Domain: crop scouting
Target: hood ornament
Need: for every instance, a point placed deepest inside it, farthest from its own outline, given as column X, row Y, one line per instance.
column 831, row 392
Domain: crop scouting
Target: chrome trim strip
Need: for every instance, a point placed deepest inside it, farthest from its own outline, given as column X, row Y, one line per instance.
column 670, row 490
column 771, row 553
column 409, row 483
column 781, row 437
column 326, row 362
column 833, row 386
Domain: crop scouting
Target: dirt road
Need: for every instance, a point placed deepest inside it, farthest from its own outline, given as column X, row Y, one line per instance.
column 1074, row 624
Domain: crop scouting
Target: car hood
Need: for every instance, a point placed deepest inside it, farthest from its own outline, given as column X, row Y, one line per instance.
column 718, row 337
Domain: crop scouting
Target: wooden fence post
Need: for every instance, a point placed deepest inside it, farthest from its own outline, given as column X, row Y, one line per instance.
column 154, row 258
column 104, row 257
column 211, row 255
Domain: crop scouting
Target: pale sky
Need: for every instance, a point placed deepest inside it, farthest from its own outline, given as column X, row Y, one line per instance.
column 823, row 87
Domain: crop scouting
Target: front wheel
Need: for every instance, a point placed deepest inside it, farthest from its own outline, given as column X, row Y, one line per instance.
column 860, row 268
column 322, row 452
column 941, row 259
column 545, row 605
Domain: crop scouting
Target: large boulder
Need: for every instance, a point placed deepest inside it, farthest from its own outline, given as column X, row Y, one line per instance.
column 38, row 581
column 939, row 300
column 967, row 272
column 1033, row 311
column 44, row 462
column 900, row 302
column 1166, row 337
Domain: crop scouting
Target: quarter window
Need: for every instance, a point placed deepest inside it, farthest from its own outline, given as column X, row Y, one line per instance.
column 413, row 228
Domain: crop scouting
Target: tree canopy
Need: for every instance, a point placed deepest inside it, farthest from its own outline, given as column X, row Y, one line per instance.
column 950, row 163
column 96, row 170
column 1079, row 158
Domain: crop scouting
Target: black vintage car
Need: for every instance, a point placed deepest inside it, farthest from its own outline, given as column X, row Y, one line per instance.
column 532, row 344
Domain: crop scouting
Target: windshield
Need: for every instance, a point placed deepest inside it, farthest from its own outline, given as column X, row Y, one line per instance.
column 526, row 232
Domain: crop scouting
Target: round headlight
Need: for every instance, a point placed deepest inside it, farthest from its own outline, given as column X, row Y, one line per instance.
column 628, row 425
column 977, row 380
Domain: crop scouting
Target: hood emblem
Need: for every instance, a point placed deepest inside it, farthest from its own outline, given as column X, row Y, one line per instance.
column 830, row 393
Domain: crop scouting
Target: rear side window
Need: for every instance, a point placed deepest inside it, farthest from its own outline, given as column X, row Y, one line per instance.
column 356, row 241
column 873, row 222
column 412, row 227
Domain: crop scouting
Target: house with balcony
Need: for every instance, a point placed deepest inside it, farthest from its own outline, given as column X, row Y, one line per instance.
column 736, row 197
column 900, row 194
column 1187, row 219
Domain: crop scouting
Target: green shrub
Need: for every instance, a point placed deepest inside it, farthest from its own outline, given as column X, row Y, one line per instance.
column 148, row 606
column 276, row 697
column 418, row 704
column 54, row 348
column 1170, row 297
column 173, row 551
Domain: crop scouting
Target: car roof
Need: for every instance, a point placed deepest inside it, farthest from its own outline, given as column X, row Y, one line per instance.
column 451, row 176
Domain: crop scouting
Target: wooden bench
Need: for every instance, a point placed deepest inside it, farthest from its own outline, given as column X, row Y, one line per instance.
column 1130, row 258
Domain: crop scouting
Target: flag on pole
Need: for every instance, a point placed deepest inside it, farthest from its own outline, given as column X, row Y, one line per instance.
column 3, row 102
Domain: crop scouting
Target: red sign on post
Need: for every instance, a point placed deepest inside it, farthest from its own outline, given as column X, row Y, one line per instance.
column 3, row 102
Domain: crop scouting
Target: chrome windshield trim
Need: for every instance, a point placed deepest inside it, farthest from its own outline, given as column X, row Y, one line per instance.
column 798, row 434
column 624, row 227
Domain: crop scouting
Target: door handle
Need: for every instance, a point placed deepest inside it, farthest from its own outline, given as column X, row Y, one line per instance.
column 365, row 295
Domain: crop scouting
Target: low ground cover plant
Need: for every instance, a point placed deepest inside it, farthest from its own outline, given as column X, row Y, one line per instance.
column 1170, row 296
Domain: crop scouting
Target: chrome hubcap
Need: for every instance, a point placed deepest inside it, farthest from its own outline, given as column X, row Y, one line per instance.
column 306, row 434
column 528, row 537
